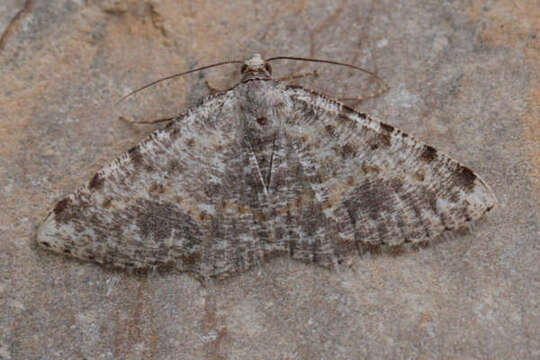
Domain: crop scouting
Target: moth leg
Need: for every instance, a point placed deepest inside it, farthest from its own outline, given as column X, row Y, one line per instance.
column 299, row 76
column 155, row 121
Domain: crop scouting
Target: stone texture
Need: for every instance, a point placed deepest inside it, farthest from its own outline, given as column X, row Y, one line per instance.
column 463, row 77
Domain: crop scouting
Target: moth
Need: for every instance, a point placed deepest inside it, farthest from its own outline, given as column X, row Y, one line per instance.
column 261, row 170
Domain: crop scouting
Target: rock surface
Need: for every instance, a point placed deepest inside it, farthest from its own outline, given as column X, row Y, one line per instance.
column 463, row 77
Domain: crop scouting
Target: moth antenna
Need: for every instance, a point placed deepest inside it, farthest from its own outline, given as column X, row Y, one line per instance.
column 333, row 63
column 177, row 75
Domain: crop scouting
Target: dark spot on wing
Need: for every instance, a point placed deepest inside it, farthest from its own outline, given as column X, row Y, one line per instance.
column 96, row 182
column 174, row 167
column 135, row 155
column 262, row 121
column 219, row 148
column 428, row 154
column 464, row 178
column 386, row 127
column 160, row 221
column 64, row 211
column 349, row 111
column 370, row 204
column 348, row 150
column 107, row 203
column 419, row 176
column 385, row 140
column 191, row 259
column 204, row 216
column 371, row 199
column 190, row 142
column 379, row 140
column 367, row 248
column 330, row 129
column 61, row 206
column 396, row 250
column 156, row 189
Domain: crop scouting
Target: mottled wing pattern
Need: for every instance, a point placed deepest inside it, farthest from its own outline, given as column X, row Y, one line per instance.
column 177, row 199
column 373, row 184
column 258, row 171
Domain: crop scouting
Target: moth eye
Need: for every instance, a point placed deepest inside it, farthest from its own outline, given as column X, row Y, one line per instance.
column 268, row 68
column 243, row 69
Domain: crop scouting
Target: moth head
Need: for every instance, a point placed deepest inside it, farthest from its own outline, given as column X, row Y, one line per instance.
column 256, row 67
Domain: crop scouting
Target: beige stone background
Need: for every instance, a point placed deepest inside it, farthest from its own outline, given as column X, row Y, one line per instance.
column 464, row 77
